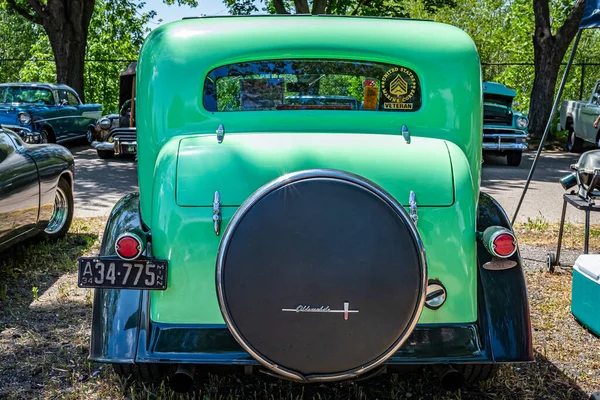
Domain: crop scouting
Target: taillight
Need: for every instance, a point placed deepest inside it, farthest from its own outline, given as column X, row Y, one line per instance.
column 499, row 242
column 129, row 246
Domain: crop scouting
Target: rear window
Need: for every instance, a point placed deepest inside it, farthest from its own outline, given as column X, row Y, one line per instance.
column 312, row 85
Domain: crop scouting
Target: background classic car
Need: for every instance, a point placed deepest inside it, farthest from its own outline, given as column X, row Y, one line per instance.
column 36, row 189
column 578, row 118
column 115, row 133
column 53, row 111
column 341, row 240
column 504, row 130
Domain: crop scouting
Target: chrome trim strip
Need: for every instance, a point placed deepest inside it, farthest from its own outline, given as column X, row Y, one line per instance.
column 507, row 130
column 504, row 146
column 323, row 174
column 217, row 213
column 412, row 201
column 406, row 134
column 65, row 117
column 220, row 133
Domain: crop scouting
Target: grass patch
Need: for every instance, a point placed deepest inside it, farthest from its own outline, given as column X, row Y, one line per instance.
column 44, row 342
column 540, row 232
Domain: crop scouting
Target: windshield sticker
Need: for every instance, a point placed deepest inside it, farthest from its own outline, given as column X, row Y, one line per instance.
column 399, row 86
column 371, row 94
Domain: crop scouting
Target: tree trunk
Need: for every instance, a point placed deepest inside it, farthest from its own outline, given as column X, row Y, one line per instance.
column 69, row 55
column 549, row 51
column 547, row 60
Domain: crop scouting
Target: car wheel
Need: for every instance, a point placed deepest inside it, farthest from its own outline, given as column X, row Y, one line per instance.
column 574, row 144
column 46, row 136
column 104, row 154
column 474, row 373
column 89, row 136
column 61, row 218
column 144, row 372
column 513, row 158
column 550, row 262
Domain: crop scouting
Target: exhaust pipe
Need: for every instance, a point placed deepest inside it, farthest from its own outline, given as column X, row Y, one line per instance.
column 450, row 379
column 183, row 378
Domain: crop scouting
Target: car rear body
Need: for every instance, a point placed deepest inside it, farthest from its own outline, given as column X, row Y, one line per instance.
column 202, row 163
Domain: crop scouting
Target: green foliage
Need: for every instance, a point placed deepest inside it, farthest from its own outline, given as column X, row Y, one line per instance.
column 116, row 32
column 502, row 32
column 14, row 46
column 383, row 8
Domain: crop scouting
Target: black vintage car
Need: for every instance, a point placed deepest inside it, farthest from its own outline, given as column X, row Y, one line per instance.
column 115, row 134
column 36, row 189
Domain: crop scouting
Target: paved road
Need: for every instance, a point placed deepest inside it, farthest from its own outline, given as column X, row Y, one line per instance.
column 100, row 183
column 544, row 197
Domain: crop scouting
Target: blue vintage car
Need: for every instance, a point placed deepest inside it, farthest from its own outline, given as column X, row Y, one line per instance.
column 46, row 113
column 504, row 130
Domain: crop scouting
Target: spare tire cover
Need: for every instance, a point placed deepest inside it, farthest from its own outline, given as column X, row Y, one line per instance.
column 321, row 275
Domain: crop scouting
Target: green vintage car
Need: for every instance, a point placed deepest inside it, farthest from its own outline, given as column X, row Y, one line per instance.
column 315, row 243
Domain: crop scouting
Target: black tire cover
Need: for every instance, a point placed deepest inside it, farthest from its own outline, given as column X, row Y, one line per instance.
column 330, row 242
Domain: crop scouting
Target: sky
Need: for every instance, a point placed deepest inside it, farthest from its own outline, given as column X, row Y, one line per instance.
column 175, row 12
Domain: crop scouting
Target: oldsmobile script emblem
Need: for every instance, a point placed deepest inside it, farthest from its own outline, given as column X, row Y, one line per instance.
column 323, row 309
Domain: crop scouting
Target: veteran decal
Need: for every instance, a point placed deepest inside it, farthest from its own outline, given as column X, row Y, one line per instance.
column 399, row 88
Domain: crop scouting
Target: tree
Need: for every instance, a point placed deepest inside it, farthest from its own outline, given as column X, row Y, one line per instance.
column 66, row 23
column 14, row 48
column 549, row 52
column 116, row 32
column 383, row 8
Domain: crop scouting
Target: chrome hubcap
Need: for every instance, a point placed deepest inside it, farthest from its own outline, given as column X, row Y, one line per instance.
column 61, row 210
column 90, row 138
column 43, row 136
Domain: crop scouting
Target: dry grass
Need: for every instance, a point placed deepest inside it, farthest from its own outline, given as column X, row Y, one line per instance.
column 539, row 232
column 44, row 336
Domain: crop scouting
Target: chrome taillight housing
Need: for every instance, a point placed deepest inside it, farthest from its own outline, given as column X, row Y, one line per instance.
column 129, row 246
column 499, row 241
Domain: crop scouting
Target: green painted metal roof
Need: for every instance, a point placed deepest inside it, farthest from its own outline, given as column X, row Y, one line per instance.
column 498, row 89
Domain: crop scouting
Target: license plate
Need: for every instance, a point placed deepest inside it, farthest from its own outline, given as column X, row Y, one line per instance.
column 97, row 272
column 131, row 149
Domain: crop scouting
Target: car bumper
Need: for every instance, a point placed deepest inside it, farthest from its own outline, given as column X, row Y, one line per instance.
column 214, row 345
column 125, row 146
column 505, row 146
column 499, row 139
column 26, row 134
column 106, row 146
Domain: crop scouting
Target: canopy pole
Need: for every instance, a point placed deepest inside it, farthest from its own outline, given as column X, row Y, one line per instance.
column 547, row 130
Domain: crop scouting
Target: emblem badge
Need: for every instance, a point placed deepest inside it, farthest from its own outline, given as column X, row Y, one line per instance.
column 322, row 309
column 399, row 87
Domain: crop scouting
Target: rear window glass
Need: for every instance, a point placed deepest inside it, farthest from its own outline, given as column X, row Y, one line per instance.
column 312, row 85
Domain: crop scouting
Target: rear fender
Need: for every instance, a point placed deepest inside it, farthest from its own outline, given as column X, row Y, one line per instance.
column 503, row 306
column 117, row 314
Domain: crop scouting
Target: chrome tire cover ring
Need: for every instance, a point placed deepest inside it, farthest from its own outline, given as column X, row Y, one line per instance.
column 333, row 176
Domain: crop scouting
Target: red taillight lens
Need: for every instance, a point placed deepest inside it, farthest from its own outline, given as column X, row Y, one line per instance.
column 504, row 244
column 128, row 247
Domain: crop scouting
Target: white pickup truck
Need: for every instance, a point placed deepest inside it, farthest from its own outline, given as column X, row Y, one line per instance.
column 578, row 118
